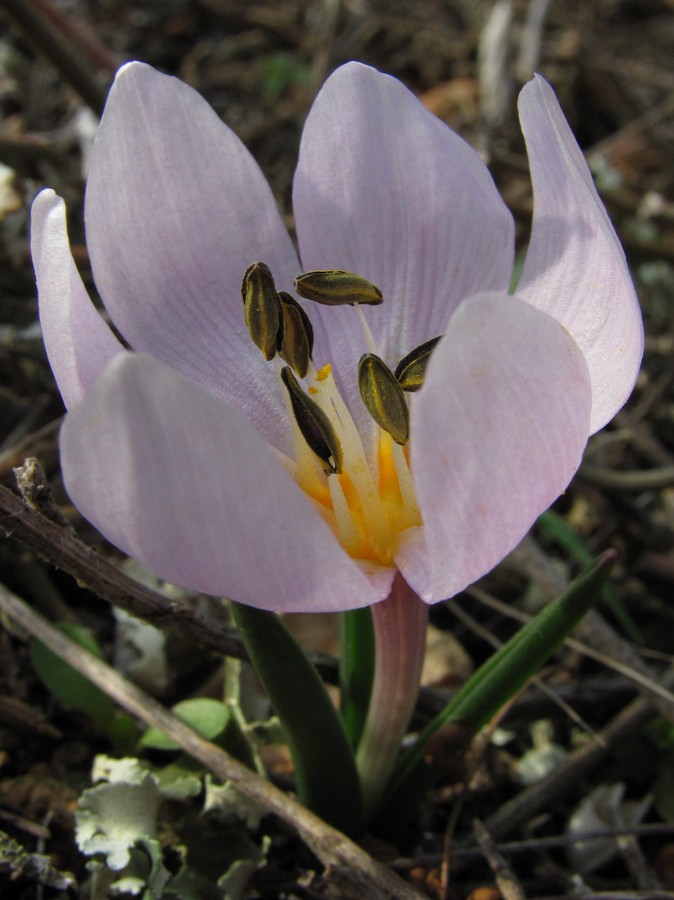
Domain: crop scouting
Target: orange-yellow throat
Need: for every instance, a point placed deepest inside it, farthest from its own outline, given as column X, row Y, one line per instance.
column 371, row 501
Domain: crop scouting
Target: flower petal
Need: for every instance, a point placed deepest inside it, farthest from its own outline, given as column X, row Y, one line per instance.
column 385, row 189
column 498, row 429
column 575, row 268
column 78, row 341
column 184, row 483
column 176, row 209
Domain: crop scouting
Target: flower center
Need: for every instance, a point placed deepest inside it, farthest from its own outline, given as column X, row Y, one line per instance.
column 371, row 500
column 365, row 491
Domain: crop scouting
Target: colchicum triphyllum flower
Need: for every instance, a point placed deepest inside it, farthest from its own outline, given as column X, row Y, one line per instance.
column 200, row 457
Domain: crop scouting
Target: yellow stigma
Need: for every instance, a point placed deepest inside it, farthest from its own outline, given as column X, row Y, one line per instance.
column 372, row 501
column 389, row 486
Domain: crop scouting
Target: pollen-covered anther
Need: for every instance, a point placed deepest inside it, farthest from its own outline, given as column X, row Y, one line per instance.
column 314, row 425
column 383, row 397
column 411, row 369
column 261, row 308
column 296, row 336
column 334, row 287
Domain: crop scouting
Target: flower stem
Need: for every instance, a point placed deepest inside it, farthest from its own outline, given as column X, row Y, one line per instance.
column 508, row 670
column 400, row 640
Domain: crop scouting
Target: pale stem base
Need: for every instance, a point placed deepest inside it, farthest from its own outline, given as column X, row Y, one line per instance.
column 400, row 624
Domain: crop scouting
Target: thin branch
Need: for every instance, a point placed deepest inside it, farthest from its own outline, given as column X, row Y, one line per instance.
column 69, row 63
column 622, row 480
column 79, row 35
column 61, row 548
column 537, row 844
column 573, row 768
column 349, row 867
column 506, row 879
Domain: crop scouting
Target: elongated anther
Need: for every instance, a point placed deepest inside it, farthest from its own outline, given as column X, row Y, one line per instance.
column 314, row 425
column 383, row 397
column 411, row 369
column 295, row 341
column 334, row 287
column 261, row 308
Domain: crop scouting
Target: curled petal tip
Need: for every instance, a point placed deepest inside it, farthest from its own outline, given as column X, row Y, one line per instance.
column 575, row 268
column 78, row 341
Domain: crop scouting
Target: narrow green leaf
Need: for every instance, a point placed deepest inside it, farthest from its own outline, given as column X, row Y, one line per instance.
column 325, row 768
column 356, row 669
column 557, row 529
column 68, row 685
column 508, row 670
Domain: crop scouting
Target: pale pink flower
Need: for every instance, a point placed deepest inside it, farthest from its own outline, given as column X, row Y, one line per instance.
column 181, row 450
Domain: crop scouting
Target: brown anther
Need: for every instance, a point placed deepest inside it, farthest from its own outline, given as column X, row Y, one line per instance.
column 383, row 397
column 334, row 287
column 295, row 341
column 261, row 308
column 314, row 424
column 411, row 369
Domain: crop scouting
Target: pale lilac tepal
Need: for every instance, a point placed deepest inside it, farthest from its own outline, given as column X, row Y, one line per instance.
column 182, row 450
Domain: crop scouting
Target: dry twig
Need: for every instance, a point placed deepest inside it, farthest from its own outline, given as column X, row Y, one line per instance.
column 506, row 879
column 347, row 865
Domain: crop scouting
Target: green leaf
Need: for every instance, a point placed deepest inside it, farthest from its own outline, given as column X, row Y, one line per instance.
column 356, row 669
column 68, row 685
column 508, row 670
column 325, row 768
column 208, row 717
column 279, row 72
column 123, row 732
